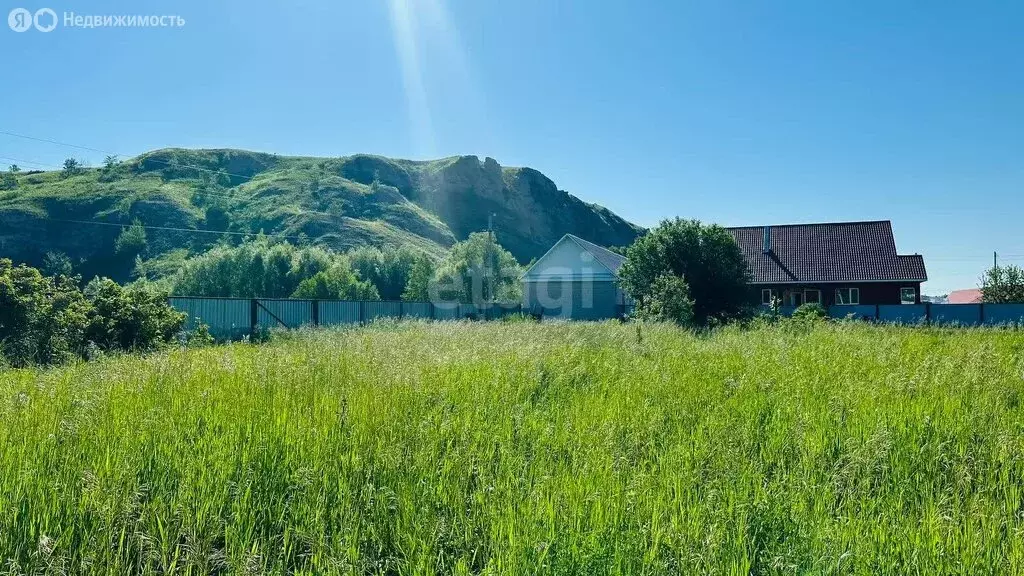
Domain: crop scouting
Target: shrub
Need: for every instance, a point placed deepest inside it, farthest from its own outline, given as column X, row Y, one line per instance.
column 49, row 320
column 132, row 240
column 668, row 301
column 42, row 319
column 812, row 312
column 131, row 318
column 336, row 283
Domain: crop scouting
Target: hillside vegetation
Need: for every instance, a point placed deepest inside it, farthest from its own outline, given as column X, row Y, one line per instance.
column 517, row 448
column 339, row 203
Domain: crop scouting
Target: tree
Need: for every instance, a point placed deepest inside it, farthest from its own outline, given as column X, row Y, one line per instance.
column 57, row 263
column 14, row 169
column 132, row 240
column 478, row 270
column 668, row 301
column 259, row 268
column 110, row 162
column 707, row 257
column 337, row 283
column 1003, row 285
column 72, row 167
column 417, row 288
column 135, row 319
column 387, row 268
column 8, row 181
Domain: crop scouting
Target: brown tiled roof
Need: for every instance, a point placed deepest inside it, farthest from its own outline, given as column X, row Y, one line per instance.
column 830, row 252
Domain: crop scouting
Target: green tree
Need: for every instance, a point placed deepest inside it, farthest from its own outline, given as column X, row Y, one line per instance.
column 417, row 288
column 336, row 283
column 478, row 270
column 255, row 268
column 668, row 301
column 135, row 319
column 8, row 181
column 57, row 263
column 386, row 268
column 42, row 319
column 110, row 162
column 132, row 240
column 14, row 169
column 72, row 167
column 1003, row 284
column 705, row 256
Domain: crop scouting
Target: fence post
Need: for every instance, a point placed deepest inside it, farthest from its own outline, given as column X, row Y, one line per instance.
column 254, row 316
column 433, row 311
column 401, row 310
column 928, row 313
column 362, row 312
column 981, row 314
column 315, row 312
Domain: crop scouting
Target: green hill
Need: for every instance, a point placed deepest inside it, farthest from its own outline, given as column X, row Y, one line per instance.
column 337, row 202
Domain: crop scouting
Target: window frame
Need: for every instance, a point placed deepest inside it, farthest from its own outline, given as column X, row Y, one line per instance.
column 913, row 297
column 815, row 291
column 850, row 292
column 771, row 296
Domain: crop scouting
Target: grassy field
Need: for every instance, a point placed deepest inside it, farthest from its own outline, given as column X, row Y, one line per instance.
column 522, row 448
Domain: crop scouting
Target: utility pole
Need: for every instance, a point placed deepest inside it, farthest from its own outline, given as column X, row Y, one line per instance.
column 995, row 260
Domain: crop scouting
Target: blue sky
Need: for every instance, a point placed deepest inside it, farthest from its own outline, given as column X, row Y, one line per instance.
column 736, row 113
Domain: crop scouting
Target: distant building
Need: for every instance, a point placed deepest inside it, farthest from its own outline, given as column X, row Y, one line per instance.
column 968, row 296
column 575, row 279
column 837, row 263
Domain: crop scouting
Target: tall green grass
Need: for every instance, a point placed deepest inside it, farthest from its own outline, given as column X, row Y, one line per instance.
column 520, row 448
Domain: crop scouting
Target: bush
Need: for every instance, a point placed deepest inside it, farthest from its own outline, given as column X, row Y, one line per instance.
column 812, row 312
column 131, row 241
column 134, row 319
column 49, row 320
column 336, row 283
column 42, row 319
column 668, row 301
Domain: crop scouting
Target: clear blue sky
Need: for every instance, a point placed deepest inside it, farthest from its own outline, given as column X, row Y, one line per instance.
column 737, row 113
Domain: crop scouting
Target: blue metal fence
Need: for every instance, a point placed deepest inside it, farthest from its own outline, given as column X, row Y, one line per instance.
column 928, row 313
column 231, row 318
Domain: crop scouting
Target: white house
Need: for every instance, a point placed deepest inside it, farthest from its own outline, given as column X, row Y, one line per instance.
column 576, row 280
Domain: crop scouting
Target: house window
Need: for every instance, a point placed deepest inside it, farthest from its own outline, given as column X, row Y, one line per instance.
column 795, row 298
column 848, row 296
column 908, row 296
column 767, row 296
column 812, row 296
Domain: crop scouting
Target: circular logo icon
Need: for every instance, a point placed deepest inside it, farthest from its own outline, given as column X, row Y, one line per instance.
column 20, row 19
column 42, row 23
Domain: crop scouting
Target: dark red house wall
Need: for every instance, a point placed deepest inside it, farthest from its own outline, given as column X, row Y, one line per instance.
column 870, row 292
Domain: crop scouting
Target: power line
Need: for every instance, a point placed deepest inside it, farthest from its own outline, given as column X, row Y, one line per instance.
column 109, row 153
column 55, row 167
column 174, row 229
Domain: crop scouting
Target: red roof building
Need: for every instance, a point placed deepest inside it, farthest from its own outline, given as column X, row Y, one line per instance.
column 969, row 296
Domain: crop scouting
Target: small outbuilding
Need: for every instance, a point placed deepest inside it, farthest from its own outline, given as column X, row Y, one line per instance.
column 576, row 280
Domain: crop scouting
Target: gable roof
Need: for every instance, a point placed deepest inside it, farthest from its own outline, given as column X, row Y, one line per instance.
column 603, row 256
column 606, row 257
column 967, row 296
column 827, row 252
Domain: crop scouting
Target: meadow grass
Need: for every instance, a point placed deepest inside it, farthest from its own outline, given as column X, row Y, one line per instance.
column 517, row 448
